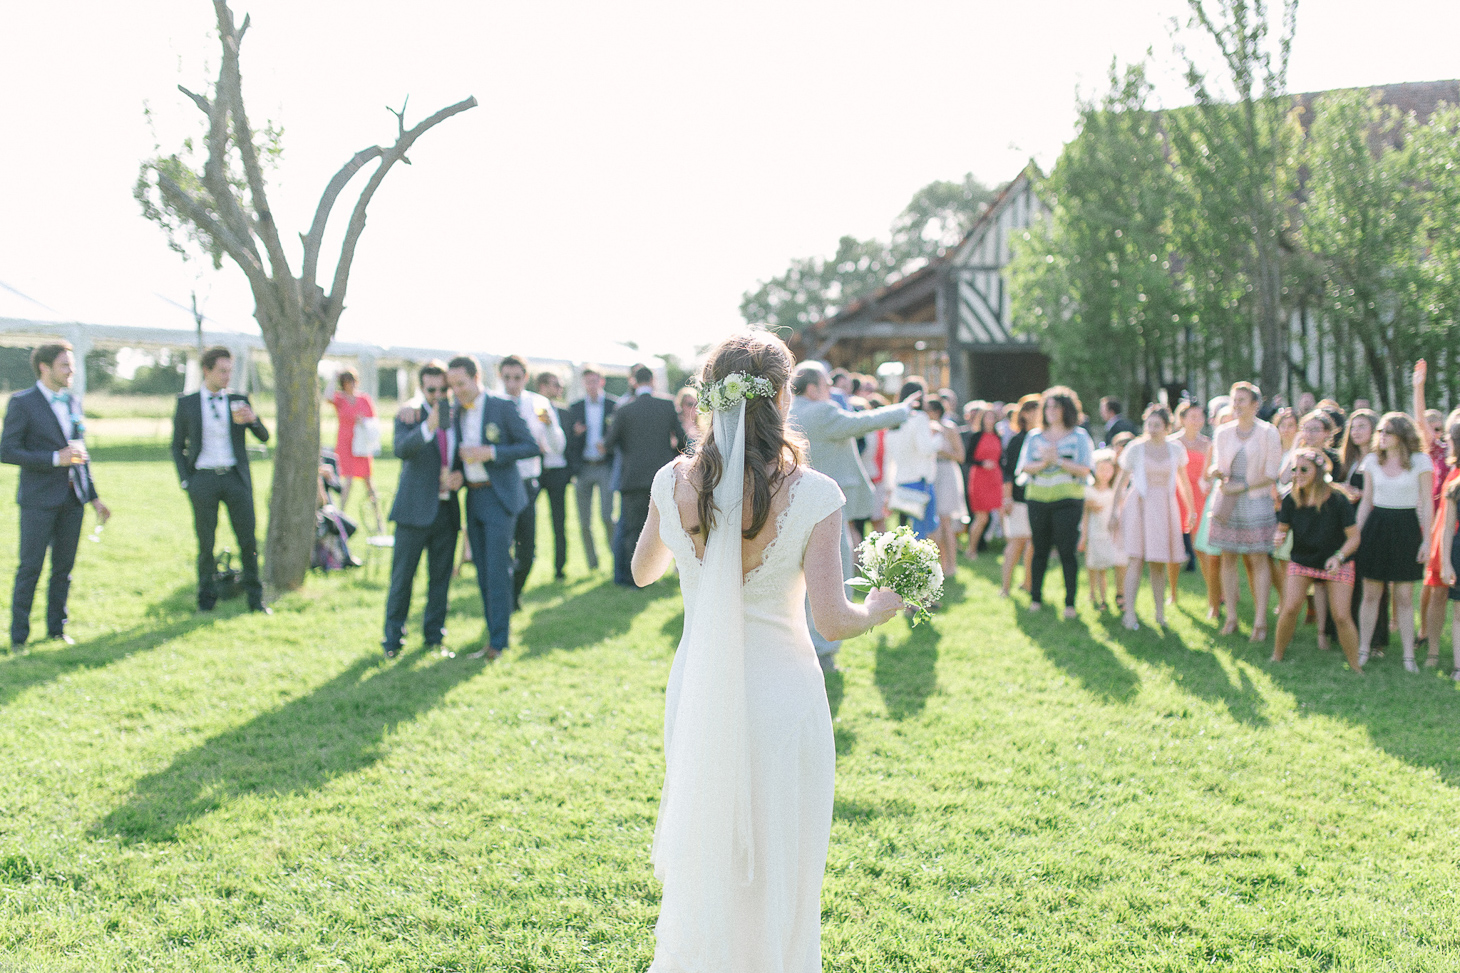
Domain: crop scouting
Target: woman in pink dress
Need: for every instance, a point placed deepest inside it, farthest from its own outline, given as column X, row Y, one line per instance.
column 349, row 407
column 1152, row 489
column 985, row 473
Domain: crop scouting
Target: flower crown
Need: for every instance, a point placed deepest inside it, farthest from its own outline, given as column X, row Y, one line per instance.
column 733, row 389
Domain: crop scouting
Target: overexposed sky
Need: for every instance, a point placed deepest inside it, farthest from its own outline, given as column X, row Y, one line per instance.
column 632, row 169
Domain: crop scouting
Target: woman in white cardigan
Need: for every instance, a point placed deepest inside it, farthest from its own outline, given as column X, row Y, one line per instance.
column 1152, row 478
column 1246, row 457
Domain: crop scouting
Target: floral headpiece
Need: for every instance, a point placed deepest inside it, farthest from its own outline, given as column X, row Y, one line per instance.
column 733, row 389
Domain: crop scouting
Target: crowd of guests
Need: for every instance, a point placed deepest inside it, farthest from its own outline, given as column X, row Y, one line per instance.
column 1339, row 513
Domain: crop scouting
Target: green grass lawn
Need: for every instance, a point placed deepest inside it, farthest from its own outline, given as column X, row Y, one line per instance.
column 1014, row 792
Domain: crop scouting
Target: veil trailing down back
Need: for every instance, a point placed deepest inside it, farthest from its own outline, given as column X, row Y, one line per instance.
column 750, row 759
column 704, row 844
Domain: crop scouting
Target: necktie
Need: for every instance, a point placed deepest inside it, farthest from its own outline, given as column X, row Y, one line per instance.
column 441, row 445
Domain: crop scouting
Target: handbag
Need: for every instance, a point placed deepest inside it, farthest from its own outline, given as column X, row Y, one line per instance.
column 227, row 580
column 365, row 441
column 908, row 501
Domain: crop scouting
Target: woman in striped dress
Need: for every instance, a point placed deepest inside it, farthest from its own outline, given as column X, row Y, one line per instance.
column 1246, row 456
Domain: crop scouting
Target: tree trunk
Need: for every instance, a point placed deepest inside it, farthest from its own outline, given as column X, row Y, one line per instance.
column 296, row 355
column 1270, row 316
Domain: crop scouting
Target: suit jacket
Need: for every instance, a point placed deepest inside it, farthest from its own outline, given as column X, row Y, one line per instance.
column 504, row 428
column 647, row 433
column 187, row 436
column 418, row 495
column 30, row 437
column 831, row 434
column 578, row 442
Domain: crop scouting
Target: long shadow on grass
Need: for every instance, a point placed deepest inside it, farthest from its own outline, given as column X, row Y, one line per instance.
column 906, row 674
column 1410, row 717
column 335, row 730
column 1195, row 671
column 1069, row 645
column 586, row 618
column 173, row 618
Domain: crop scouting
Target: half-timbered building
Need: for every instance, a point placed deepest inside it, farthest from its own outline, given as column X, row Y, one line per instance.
column 949, row 321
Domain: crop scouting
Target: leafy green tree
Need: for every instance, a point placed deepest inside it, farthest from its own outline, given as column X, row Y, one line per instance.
column 813, row 288
column 1361, row 220
column 223, row 208
column 938, row 217
column 1234, row 151
column 1434, row 153
column 1095, row 282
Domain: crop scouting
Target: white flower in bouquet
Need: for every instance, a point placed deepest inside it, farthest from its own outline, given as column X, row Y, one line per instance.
column 913, row 568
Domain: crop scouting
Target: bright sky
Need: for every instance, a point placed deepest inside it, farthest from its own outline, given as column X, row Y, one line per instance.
column 633, row 167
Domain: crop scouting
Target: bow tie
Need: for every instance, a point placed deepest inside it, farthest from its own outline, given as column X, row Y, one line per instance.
column 61, row 396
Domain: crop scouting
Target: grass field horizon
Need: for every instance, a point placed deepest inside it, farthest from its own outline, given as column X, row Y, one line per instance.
column 1014, row 792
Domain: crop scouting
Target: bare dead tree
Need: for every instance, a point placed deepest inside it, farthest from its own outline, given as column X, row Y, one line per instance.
column 225, row 209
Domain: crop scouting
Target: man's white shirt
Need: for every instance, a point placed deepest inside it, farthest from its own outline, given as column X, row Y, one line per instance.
column 217, row 448
column 471, row 435
column 549, row 436
column 593, row 419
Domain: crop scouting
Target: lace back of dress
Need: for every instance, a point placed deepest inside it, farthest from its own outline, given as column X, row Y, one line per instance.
column 703, row 845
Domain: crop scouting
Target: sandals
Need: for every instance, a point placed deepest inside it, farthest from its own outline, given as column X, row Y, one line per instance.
column 1410, row 665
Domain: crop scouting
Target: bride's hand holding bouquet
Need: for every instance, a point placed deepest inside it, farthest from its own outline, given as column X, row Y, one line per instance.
column 909, row 568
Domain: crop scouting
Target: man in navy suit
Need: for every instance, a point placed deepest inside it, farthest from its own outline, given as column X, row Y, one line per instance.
column 648, row 434
column 491, row 436
column 43, row 436
column 212, row 466
column 426, row 512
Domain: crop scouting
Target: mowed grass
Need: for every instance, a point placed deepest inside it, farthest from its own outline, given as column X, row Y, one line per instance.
column 1014, row 792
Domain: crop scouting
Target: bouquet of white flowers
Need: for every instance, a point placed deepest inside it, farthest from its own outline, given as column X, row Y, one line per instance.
column 898, row 560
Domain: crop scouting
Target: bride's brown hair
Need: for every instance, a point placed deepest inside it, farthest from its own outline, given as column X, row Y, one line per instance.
column 769, row 444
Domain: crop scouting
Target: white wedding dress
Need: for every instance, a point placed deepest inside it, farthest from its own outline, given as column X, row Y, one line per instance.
column 757, row 909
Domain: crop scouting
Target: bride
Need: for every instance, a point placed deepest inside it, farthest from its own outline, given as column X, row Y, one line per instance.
column 745, row 814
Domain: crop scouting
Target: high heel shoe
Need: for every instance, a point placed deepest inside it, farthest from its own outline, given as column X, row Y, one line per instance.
column 1409, row 664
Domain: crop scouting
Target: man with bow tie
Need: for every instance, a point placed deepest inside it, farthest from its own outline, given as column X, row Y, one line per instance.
column 212, row 465
column 43, row 435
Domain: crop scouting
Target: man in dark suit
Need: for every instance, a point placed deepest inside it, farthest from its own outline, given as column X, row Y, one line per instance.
column 426, row 512
column 491, row 436
column 212, row 466
column 43, row 435
column 647, row 433
column 588, row 463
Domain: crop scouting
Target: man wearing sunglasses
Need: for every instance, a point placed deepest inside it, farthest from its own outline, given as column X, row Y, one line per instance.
column 426, row 511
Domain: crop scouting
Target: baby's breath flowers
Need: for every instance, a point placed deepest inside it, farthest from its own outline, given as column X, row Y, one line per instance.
column 731, row 390
column 896, row 559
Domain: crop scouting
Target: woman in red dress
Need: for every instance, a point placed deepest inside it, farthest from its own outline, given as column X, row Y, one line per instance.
column 349, row 407
column 985, row 475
